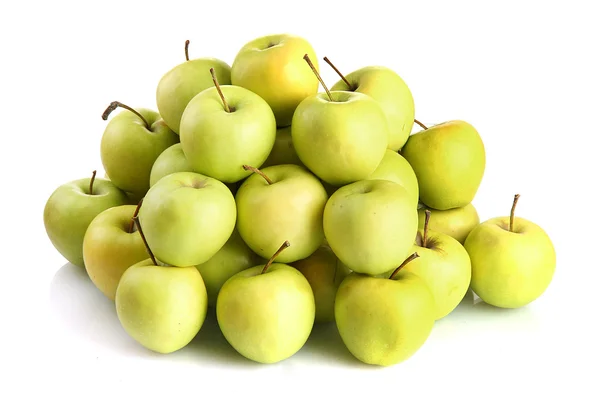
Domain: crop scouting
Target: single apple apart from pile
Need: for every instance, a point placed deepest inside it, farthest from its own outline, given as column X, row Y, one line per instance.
column 184, row 81
column 272, row 67
column 513, row 260
column 384, row 321
column 71, row 208
column 395, row 168
column 224, row 128
column 456, row 222
column 267, row 312
column 161, row 307
column 449, row 161
column 340, row 136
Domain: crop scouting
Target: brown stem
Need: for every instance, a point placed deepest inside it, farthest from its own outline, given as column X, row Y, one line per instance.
column 284, row 246
column 312, row 66
column 425, row 228
column 338, row 72
column 187, row 55
column 512, row 212
column 113, row 106
column 214, row 78
column 92, row 182
column 409, row 259
column 135, row 213
column 422, row 125
column 139, row 227
column 259, row 172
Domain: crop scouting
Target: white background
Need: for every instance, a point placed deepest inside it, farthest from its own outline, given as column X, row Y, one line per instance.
column 524, row 73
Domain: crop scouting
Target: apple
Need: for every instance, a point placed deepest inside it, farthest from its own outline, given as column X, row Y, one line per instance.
column 384, row 321
column 266, row 312
column 278, row 202
column 71, row 208
column 456, row 222
column 513, row 260
column 169, row 161
column 272, row 67
column 224, row 128
column 370, row 225
column 130, row 144
column 395, row 168
column 184, row 81
column 187, row 218
column 283, row 150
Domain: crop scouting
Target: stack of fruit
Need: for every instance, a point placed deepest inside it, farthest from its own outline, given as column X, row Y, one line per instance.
column 281, row 206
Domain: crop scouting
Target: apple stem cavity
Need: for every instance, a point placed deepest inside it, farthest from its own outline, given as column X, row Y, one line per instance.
column 259, row 172
column 139, row 227
column 214, row 78
column 422, row 125
column 409, row 259
column 113, row 106
column 135, row 214
column 314, row 70
column 92, row 182
column 512, row 213
column 425, row 228
column 284, row 246
column 187, row 54
column 337, row 71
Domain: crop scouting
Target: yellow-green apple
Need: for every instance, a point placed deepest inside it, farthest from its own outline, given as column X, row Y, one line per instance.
column 395, row 168
column 283, row 150
column 456, row 222
column 169, row 161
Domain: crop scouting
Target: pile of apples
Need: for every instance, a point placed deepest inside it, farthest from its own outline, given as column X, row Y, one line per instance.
column 251, row 192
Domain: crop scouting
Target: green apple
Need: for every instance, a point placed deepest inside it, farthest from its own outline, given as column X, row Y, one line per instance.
column 111, row 245
column 169, row 161
column 234, row 256
column 71, row 208
column 184, row 81
column 395, row 168
column 371, row 225
column 187, row 218
column 278, row 203
column 134, row 198
column 390, row 91
column 272, row 67
column 283, row 150
column 161, row 307
column 449, row 161
column 130, row 144
column 324, row 271
column 444, row 265
column 384, row 321
column 512, row 260
column 456, row 222
column 224, row 128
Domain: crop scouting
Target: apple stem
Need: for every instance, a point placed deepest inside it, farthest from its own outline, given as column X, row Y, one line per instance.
column 214, row 78
column 425, row 228
column 284, row 246
column 409, row 259
column 512, row 212
column 422, row 125
column 135, row 213
column 92, row 182
column 338, row 72
column 259, row 172
column 113, row 106
column 187, row 55
column 312, row 66
column 137, row 222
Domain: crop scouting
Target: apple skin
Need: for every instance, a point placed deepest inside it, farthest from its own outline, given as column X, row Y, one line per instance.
column 128, row 150
column 218, row 143
column 395, row 168
column 283, row 151
column 70, row 209
column 273, row 67
column 325, row 272
column 266, row 317
column 371, row 225
column 384, row 321
column 184, row 81
column 289, row 209
column 449, row 161
column 391, row 92
column 510, row 269
column 160, row 307
column 340, row 141
column 187, row 217
column 234, row 256
column 456, row 222
column 169, row 161
column 109, row 248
